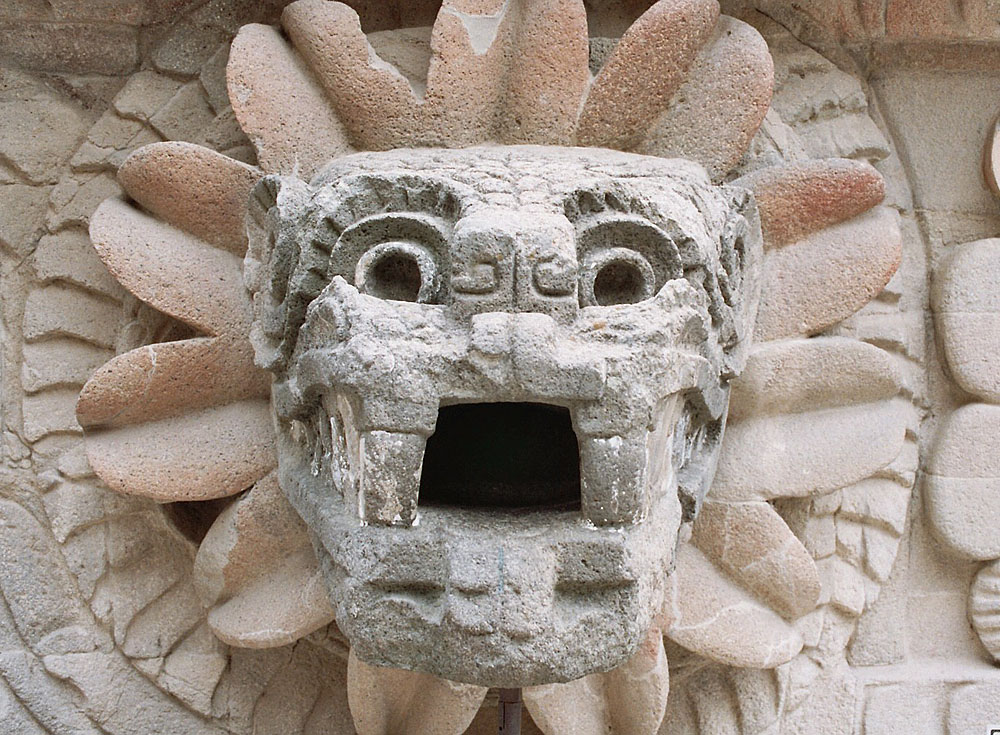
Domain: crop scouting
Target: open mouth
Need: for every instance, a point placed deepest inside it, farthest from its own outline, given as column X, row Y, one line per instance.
column 502, row 455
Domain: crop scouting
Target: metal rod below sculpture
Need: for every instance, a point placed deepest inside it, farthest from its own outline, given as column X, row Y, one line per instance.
column 509, row 712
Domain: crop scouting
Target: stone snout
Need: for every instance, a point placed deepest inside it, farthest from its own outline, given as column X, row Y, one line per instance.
column 381, row 372
column 495, row 410
column 500, row 599
column 484, row 584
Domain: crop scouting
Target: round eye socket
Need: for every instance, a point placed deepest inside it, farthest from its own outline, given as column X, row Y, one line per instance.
column 615, row 276
column 398, row 271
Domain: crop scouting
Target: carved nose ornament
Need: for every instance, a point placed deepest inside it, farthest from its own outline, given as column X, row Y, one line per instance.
column 515, row 261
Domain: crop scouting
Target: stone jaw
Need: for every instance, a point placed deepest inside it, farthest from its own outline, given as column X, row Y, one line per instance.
column 504, row 273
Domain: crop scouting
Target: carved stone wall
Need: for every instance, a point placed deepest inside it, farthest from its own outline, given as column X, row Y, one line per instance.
column 851, row 532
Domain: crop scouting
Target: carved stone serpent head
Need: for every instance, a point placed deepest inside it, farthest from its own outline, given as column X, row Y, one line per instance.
column 501, row 379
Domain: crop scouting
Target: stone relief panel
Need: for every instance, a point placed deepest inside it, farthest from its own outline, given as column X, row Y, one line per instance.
column 836, row 541
column 961, row 493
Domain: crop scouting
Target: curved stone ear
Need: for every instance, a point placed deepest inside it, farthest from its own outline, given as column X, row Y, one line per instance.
column 276, row 264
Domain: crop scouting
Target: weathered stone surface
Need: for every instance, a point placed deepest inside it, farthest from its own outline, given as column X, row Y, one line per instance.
column 717, row 110
column 520, row 347
column 790, row 376
column 394, row 702
column 42, row 128
column 825, row 277
column 967, row 315
column 185, row 115
column 751, row 543
column 188, row 48
column 77, row 48
column 453, row 339
column 193, row 188
column 984, row 608
column 809, row 416
column 209, row 454
column 714, row 618
column 963, row 482
column 944, row 19
column 381, row 110
column 171, row 270
column 544, row 92
column 22, row 216
column 60, row 311
column 60, row 362
column 801, row 198
column 972, row 705
column 26, row 557
column 144, row 94
column 164, row 380
column 69, row 256
column 75, row 199
column 630, row 699
column 157, row 629
column 257, row 572
column 647, row 67
column 192, row 670
column 991, row 159
column 799, row 454
column 943, row 139
column 280, row 105
column 107, row 140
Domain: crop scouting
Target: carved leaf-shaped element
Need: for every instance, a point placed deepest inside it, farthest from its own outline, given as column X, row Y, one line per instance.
column 171, row 269
column 258, row 574
column 628, row 700
column 706, row 697
column 395, row 702
column 205, row 454
column 198, row 190
column 967, row 316
column 280, row 106
column 186, row 420
column 809, row 416
column 164, row 380
column 750, row 542
column 471, row 93
column 963, row 482
column 797, row 199
column 647, row 67
column 825, row 277
column 714, row 617
column 721, row 104
column 984, row 607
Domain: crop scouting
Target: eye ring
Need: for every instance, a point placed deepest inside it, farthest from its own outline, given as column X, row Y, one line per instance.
column 611, row 276
column 398, row 271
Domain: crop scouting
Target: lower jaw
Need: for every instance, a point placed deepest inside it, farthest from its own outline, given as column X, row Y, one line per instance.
column 495, row 596
column 411, row 598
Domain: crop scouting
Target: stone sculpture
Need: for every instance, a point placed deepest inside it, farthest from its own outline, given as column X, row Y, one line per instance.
column 492, row 287
column 484, row 269
column 962, row 504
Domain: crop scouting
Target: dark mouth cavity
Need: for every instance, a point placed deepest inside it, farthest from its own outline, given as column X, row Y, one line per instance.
column 502, row 455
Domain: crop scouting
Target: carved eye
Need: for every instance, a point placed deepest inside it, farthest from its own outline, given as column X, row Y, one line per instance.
column 398, row 271
column 612, row 276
